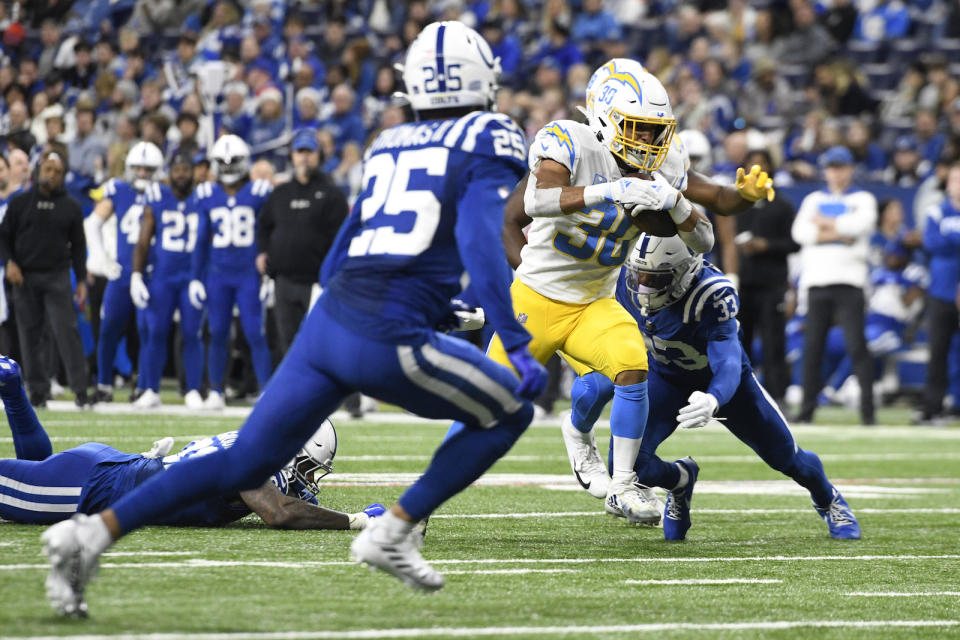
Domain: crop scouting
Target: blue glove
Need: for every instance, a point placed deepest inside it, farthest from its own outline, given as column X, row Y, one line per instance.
column 10, row 376
column 533, row 377
column 375, row 510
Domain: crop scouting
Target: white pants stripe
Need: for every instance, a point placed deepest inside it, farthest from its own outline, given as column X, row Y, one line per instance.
column 419, row 377
column 473, row 375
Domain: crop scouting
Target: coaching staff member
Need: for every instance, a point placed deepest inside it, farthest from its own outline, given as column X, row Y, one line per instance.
column 297, row 225
column 833, row 227
column 41, row 237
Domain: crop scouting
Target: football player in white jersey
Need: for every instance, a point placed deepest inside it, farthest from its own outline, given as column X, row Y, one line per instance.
column 584, row 217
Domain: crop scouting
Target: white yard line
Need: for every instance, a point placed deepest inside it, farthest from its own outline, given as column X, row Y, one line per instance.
column 371, row 634
column 203, row 563
column 738, row 512
column 904, row 594
column 506, row 572
column 696, row 581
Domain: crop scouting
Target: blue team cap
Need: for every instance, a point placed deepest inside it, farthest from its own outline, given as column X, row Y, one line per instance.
column 305, row 140
column 906, row 143
column 835, row 156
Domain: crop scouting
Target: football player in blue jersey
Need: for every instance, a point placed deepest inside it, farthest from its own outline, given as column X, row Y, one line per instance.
column 431, row 207
column 223, row 264
column 125, row 198
column 40, row 487
column 687, row 311
column 170, row 223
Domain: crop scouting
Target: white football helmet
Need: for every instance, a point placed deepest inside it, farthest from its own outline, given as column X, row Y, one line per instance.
column 143, row 155
column 613, row 65
column 315, row 459
column 448, row 66
column 230, row 158
column 626, row 104
column 699, row 150
column 659, row 271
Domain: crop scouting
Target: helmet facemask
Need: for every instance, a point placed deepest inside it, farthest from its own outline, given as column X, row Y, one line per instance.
column 232, row 170
column 658, row 276
column 315, row 460
column 628, row 144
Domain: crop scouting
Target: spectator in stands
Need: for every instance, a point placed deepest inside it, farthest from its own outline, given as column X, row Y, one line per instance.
column 80, row 76
column 187, row 140
column 808, row 42
column 361, row 72
column 905, row 166
column 941, row 240
column 833, row 228
column 18, row 126
column 123, row 141
column 296, row 228
column 930, row 193
column 765, row 95
column 931, row 141
column 19, row 174
column 307, row 111
column 937, row 80
column 868, row 155
column 334, row 40
column 87, row 151
column 300, row 54
column 46, row 53
column 344, row 123
column 235, row 119
column 885, row 22
column 267, row 131
column 840, row 20
column 153, row 128
column 764, row 241
column 557, row 47
column 505, row 46
column 594, row 27
column 41, row 237
column 837, row 90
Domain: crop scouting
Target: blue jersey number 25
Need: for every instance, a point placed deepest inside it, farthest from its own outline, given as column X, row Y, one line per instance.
column 391, row 197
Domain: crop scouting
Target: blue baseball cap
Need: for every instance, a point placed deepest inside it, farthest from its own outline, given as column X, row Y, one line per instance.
column 896, row 247
column 906, row 143
column 305, row 140
column 835, row 156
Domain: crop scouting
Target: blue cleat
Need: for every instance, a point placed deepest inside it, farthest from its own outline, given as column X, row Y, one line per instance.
column 676, row 513
column 10, row 375
column 375, row 510
column 839, row 517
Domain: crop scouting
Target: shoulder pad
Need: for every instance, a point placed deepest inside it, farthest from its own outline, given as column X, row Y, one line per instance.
column 557, row 142
column 488, row 134
column 260, row 188
column 714, row 298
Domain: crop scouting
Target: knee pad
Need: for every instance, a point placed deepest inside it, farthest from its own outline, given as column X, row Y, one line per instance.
column 590, row 393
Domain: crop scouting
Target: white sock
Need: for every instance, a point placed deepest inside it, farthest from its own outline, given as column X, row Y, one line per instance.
column 625, row 452
column 93, row 534
column 393, row 529
column 684, row 476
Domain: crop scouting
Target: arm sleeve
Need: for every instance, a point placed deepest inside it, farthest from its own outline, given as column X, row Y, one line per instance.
column 861, row 221
column 725, row 355
column 479, row 223
column 804, row 232
column 78, row 241
column 934, row 240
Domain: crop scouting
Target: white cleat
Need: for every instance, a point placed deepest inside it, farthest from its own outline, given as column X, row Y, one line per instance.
column 398, row 558
column 626, row 500
column 72, row 566
column 193, row 400
column 149, row 399
column 214, row 401
column 585, row 460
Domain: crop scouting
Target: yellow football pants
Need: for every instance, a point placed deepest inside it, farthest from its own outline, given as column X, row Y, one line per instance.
column 600, row 336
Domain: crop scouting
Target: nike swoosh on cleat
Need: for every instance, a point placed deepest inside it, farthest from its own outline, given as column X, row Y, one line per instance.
column 585, row 485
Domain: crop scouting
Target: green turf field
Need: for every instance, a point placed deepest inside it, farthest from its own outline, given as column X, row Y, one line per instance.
column 527, row 554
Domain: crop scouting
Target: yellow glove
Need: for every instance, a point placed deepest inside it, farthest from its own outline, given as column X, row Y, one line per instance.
column 755, row 185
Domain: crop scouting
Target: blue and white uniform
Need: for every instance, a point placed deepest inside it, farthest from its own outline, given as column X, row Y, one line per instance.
column 430, row 208
column 224, row 259
column 4, row 308
column 694, row 345
column 117, row 307
column 175, row 238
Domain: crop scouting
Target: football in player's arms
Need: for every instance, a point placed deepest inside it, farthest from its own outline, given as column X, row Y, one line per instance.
column 652, row 222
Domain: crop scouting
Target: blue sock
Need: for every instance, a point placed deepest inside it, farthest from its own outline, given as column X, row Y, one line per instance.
column 192, row 361
column 807, row 470
column 460, row 460
column 628, row 415
column 589, row 394
column 217, row 360
column 30, row 441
